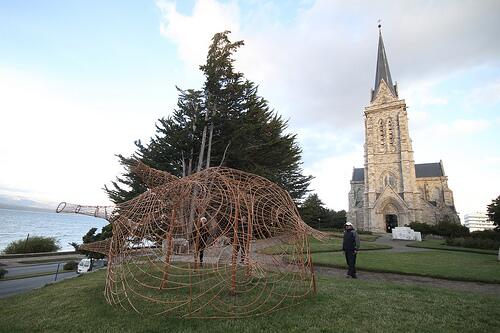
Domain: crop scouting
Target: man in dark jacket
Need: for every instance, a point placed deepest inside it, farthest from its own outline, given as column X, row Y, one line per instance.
column 350, row 248
column 201, row 236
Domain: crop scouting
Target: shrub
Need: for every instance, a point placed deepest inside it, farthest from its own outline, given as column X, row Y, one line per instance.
column 423, row 228
column 476, row 243
column 70, row 266
column 486, row 234
column 443, row 228
column 450, row 229
column 33, row 244
column 364, row 232
column 3, row 271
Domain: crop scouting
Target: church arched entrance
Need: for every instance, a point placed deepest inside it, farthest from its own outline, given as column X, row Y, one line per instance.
column 391, row 215
column 391, row 222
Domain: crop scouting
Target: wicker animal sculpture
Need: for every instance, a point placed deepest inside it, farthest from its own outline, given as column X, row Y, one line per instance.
column 220, row 243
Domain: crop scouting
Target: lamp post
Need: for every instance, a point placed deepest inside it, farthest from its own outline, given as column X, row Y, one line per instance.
column 319, row 222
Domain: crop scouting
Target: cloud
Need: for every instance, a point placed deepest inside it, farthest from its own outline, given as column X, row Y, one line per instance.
column 192, row 33
column 58, row 145
column 321, row 67
column 469, row 126
column 488, row 93
column 458, row 129
column 333, row 175
column 317, row 68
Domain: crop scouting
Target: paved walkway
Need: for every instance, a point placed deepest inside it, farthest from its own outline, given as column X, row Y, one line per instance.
column 397, row 245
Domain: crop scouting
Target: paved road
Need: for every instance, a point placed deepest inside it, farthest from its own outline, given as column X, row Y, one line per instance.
column 33, row 269
column 11, row 287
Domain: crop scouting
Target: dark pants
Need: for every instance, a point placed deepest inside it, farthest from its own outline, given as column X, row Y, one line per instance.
column 201, row 255
column 201, row 250
column 350, row 258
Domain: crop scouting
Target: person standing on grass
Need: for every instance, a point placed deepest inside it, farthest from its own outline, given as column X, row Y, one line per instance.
column 201, row 240
column 350, row 248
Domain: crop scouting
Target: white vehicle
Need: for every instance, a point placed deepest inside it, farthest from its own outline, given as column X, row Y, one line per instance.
column 86, row 266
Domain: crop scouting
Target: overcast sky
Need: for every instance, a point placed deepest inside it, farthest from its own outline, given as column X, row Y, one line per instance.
column 81, row 80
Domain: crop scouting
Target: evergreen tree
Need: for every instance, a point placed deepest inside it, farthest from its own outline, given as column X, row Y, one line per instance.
column 314, row 213
column 226, row 123
column 494, row 212
column 91, row 237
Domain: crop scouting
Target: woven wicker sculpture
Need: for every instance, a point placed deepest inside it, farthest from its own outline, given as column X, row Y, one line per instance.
column 190, row 246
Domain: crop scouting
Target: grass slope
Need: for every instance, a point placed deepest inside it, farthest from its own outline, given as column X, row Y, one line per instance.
column 440, row 245
column 362, row 237
column 342, row 305
column 330, row 245
column 441, row 264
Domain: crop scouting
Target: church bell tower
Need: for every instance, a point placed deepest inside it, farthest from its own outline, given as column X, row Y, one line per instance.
column 390, row 191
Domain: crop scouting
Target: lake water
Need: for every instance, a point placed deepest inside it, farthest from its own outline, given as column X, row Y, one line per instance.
column 66, row 228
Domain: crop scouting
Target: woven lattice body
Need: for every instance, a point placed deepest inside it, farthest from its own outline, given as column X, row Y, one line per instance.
column 193, row 246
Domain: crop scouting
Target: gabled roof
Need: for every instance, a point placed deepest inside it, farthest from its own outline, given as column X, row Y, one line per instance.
column 382, row 72
column 421, row 170
column 429, row 170
column 358, row 174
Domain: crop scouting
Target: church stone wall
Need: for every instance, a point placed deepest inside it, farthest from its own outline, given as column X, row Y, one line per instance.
column 436, row 200
column 355, row 213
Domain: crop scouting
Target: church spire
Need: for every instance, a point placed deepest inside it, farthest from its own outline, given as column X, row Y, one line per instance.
column 383, row 72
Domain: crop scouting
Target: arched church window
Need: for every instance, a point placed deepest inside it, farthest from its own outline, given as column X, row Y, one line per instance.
column 381, row 132
column 358, row 198
column 390, row 131
column 389, row 180
column 436, row 194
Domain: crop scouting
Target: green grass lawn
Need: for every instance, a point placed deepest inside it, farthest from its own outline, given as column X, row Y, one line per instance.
column 341, row 305
column 362, row 237
column 329, row 245
column 442, row 264
column 441, row 245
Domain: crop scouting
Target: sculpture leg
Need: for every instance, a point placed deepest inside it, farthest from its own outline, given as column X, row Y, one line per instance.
column 169, row 251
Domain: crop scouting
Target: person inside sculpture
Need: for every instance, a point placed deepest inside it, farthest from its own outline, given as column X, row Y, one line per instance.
column 350, row 247
column 202, row 233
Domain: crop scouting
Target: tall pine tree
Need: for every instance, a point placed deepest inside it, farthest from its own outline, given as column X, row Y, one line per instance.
column 226, row 123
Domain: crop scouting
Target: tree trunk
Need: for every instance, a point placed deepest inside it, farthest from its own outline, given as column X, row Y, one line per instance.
column 224, row 155
column 183, row 165
column 202, row 146
column 209, row 149
column 193, row 133
column 190, row 164
column 202, row 149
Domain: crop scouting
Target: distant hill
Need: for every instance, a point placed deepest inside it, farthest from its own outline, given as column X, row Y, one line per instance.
column 7, row 202
column 28, row 208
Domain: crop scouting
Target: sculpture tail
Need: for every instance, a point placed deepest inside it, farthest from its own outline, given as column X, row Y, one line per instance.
column 103, row 212
column 98, row 247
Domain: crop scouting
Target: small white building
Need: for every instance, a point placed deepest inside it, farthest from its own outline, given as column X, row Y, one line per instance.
column 478, row 222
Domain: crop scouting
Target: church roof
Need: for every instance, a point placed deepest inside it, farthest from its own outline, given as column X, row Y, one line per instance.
column 382, row 72
column 429, row 170
column 421, row 170
column 358, row 175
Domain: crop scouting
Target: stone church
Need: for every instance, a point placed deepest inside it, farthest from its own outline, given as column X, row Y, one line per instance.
column 391, row 190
